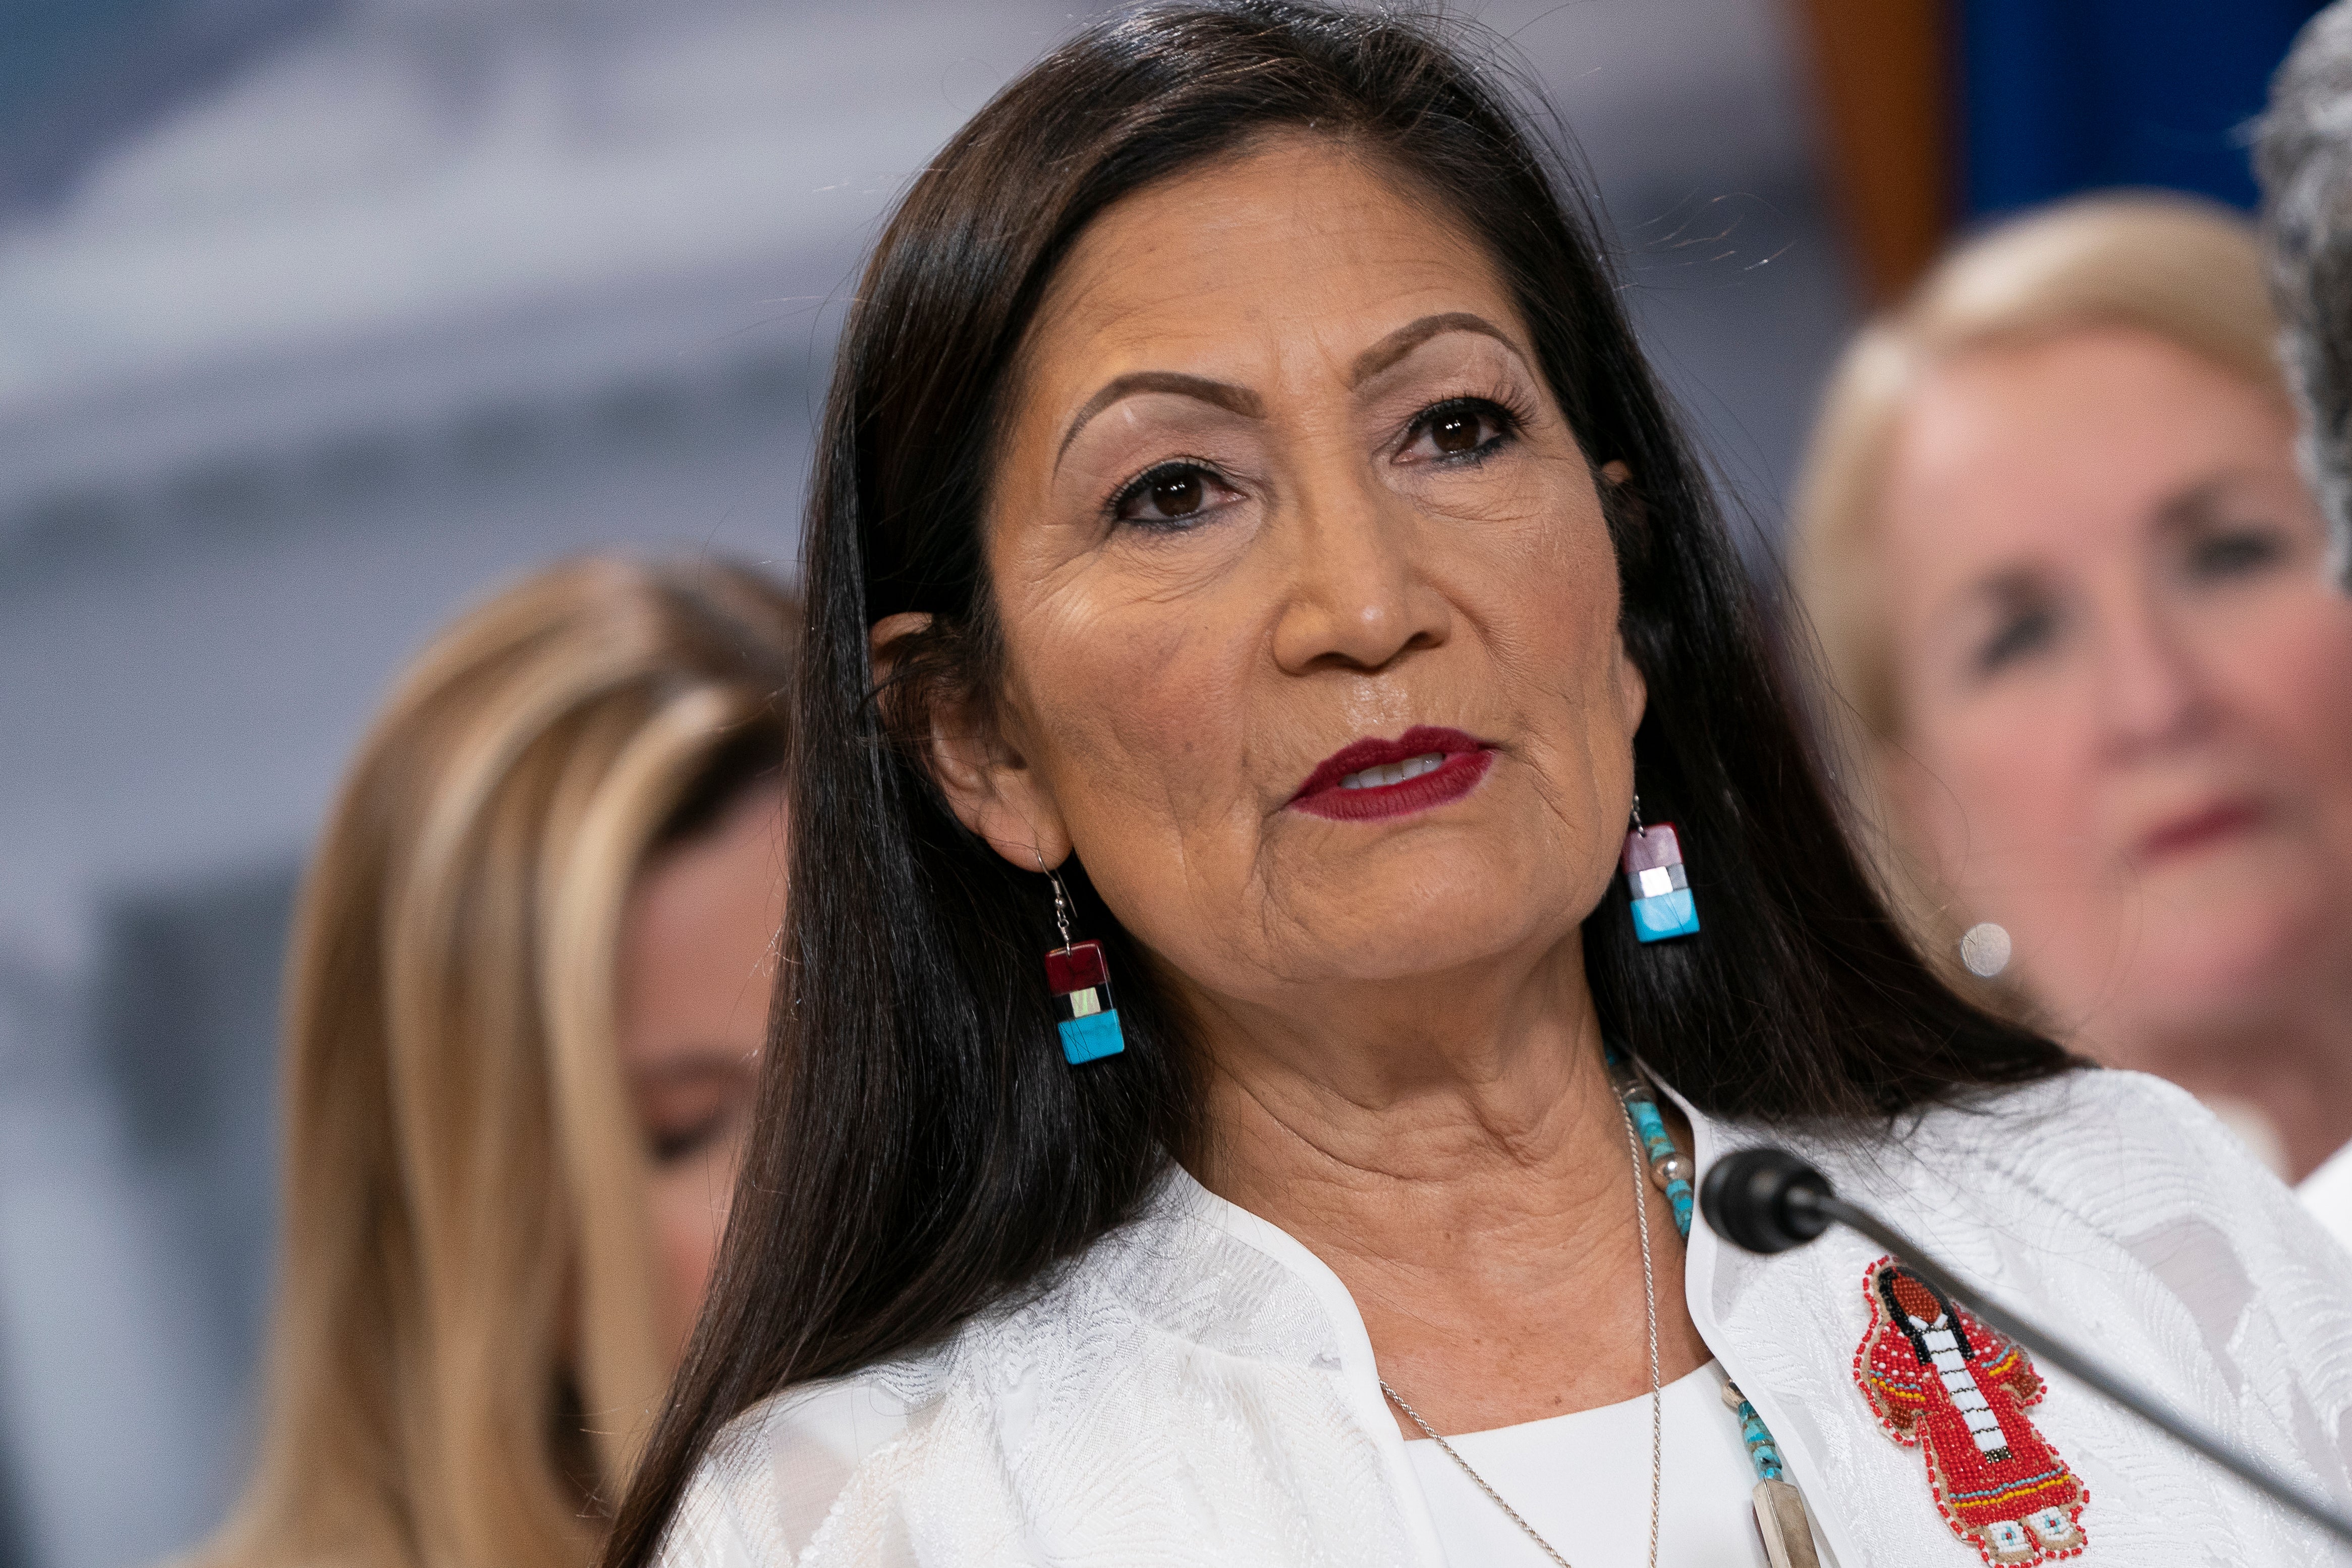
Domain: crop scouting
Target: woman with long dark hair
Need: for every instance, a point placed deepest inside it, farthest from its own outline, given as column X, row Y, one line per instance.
column 1301, row 857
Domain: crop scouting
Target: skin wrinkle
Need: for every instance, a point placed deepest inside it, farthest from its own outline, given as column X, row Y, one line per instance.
column 1565, row 1231
column 1400, row 1049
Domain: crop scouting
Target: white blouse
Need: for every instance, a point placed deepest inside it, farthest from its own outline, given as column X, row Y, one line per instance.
column 1198, row 1389
column 1582, row 1480
column 2327, row 1194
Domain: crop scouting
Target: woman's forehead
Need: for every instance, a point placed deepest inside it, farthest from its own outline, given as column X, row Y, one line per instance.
column 1300, row 245
column 2104, row 432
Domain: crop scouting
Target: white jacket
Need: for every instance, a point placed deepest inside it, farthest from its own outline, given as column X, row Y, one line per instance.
column 1198, row 1388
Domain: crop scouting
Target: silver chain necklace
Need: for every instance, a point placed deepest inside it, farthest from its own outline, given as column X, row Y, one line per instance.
column 1657, row 1409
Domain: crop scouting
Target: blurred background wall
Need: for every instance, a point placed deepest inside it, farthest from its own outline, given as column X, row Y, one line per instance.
column 318, row 317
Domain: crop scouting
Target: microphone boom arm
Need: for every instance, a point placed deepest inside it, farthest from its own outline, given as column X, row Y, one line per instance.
column 1801, row 1199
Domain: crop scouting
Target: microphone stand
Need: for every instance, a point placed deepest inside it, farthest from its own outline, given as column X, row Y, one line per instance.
column 1806, row 1199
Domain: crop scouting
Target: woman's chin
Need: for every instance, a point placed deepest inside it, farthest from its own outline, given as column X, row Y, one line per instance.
column 2220, row 968
column 1457, row 945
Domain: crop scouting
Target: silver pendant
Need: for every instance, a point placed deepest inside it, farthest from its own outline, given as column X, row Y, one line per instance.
column 1780, row 1520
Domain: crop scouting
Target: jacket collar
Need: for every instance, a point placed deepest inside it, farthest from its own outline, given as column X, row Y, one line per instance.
column 1704, row 1258
column 1184, row 1196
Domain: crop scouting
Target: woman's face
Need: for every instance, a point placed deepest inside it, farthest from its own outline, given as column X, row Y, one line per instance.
column 697, row 965
column 2125, row 693
column 1285, row 501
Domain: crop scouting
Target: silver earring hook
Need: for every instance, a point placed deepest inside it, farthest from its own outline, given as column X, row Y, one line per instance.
column 1061, row 899
column 1638, row 828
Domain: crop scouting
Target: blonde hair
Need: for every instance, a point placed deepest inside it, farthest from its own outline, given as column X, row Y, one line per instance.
column 2187, row 270
column 465, row 1244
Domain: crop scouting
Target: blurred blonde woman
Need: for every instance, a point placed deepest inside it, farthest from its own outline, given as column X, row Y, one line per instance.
column 2068, row 585
column 527, row 993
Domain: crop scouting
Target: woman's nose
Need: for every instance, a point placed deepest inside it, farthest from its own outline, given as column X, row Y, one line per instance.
column 2151, row 692
column 1357, row 596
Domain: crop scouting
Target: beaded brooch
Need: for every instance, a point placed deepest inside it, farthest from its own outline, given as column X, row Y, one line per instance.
column 1944, row 1384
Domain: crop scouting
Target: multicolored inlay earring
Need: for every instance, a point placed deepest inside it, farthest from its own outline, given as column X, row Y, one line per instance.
column 1653, row 873
column 1079, row 979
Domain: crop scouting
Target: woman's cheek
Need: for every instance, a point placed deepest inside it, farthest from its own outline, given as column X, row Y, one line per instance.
column 2292, row 669
column 2311, row 730
column 690, row 1201
column 2030, row 767
column 1990, row 780
column 1167, row 690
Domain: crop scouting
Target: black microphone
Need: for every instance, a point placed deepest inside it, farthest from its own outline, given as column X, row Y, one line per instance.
column 1768, row 1200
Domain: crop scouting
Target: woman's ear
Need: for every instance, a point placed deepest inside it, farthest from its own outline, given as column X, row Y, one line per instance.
column 1632, row 688
column 982, row 772
column 1620, row 504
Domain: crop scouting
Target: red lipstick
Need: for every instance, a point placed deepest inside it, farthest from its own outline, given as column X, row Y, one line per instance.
column 2201, row 829
column 1440, row 765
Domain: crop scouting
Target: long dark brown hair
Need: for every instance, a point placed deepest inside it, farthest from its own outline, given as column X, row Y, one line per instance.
column 922, row 1147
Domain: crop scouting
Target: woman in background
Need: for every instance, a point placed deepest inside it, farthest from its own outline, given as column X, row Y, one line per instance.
column 527, row 993
column 2069, row 587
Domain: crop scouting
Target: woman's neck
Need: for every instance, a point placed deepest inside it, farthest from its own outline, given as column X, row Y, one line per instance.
column 2293, row 1066
column 1454, row 1151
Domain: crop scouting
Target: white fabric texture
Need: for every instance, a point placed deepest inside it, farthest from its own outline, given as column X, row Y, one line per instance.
column 1198, row 1388
column 2327, row 1194
column 1583, row 1482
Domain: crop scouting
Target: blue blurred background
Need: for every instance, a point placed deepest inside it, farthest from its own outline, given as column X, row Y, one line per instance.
column 319, row 317
column 2059, row 96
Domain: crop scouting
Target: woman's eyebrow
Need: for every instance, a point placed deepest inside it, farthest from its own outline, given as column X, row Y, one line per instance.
column 2197, row 506
column 1239, row 400
column 1413, row 334
column 691, row 1065
column 1996, row 593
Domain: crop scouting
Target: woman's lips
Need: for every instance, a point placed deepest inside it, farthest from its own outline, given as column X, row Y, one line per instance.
column 2199, row 829
column 1424, row 767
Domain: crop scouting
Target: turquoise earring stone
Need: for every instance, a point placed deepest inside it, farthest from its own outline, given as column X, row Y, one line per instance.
column 1653, row 863
column 1668, row 914
column 1095, row 1035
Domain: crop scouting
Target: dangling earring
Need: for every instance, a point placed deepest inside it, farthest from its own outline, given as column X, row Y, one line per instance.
column 1653, row 874
column 1080, row 982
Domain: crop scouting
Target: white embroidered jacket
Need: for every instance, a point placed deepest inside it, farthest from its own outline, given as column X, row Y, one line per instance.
column 1198, row 1388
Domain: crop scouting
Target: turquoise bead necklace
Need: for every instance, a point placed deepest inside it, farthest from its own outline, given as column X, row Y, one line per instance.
column 1779, row 1510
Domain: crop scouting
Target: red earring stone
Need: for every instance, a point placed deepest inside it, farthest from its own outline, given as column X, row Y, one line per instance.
column 1079, row 979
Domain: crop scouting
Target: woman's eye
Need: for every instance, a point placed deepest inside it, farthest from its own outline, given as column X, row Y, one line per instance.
column 1464, row 427
column 2023, row 632
column 672, row 1144
column 1171, row 494
column 2234, row 554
